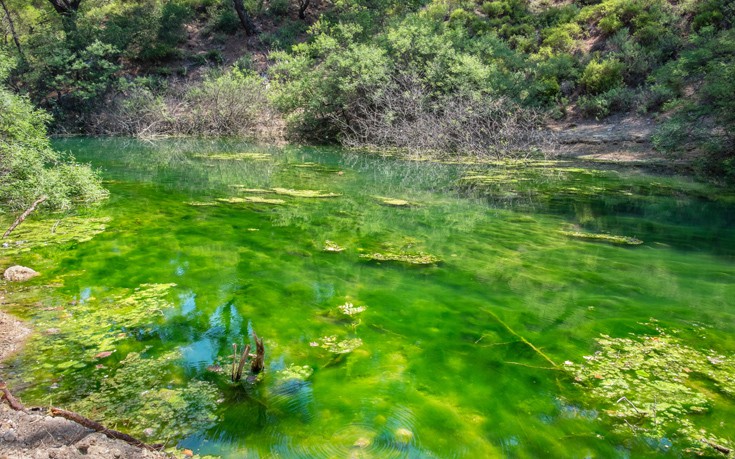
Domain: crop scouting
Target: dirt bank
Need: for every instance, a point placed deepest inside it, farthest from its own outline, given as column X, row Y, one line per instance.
column 36, row 436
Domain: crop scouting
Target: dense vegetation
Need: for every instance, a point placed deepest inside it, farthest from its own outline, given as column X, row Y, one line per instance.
column 383, row 72
column 30, row 171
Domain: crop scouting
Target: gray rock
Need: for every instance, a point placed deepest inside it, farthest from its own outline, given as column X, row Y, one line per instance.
column 19, row 274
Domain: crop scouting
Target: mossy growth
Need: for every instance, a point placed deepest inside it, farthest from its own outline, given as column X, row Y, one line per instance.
column 333, row 345
column 235, row 156
column 305, row 193
column 609, row 238
column 330, row 246
column 143, row 396
column 653, row 386
column 394, row 202
column 418, row 258
column 48, row 231
column 252, row 200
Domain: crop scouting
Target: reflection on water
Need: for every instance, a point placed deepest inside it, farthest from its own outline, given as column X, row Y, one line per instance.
column 441, row 371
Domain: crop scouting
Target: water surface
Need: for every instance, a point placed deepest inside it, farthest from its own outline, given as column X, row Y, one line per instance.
column 442, row 371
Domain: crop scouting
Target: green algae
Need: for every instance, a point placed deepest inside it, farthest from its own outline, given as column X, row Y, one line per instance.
column 33, row 233
column 432, row 361
column 252, row 200
column 90, row 329
column 297, row 372
column 610, row 238
column 394, row 202
column 143, row 388
column 304, row 193
column 336, row 346
column 418, row 258
column 648, row 386
column 235, row 156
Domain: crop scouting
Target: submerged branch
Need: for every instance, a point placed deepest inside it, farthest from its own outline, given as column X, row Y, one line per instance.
column 10, row 399
column 524, row 340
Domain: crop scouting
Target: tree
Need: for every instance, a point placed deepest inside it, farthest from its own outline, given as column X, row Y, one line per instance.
column 66, row 7
column 11, row 25
column 245, row 20
column 303, row 5
column 31, row 172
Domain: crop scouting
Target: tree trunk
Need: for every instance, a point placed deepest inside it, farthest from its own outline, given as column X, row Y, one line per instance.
column 12, row 29
column 68, row 11
column 303, row 5
column 245, row 20
column 24, row 215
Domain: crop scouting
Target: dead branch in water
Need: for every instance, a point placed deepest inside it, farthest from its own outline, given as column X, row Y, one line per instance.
column 8, row 397
column 24, row 215
column 258, row 362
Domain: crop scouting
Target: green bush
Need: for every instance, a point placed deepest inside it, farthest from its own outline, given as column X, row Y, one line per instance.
column 31, row 169
column 278, row 7
column 602, row 75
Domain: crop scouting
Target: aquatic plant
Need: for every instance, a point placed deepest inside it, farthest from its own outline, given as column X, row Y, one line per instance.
column 394, row 202
column 305, row 193
column 145, row 397
column 298, row 372
column 646, row 385
column 41, row 233
column 91, row 332
column 252, row 200
column 235, row 156
column 334, row 346
column 330, row 246
column 419, row 258
column 350, row 309
column 625, row 240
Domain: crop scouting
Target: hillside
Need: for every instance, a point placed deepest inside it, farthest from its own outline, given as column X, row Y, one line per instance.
column 383, row 73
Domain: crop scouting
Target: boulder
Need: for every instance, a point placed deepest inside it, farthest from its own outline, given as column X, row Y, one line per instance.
column 19, row 274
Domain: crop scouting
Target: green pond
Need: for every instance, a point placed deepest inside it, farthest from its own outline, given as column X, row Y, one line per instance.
column 474, row 298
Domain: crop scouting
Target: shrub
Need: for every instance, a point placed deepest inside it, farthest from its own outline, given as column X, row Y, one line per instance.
column 278, row 7
column 30, row 168
column 602, row 75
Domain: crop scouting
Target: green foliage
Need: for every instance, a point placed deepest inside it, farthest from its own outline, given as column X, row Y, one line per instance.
column 707, row 121
column 602, row 75
column 278, row 7
column 30, row 168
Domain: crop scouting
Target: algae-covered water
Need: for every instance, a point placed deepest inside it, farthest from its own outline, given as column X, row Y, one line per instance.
column 473, row 299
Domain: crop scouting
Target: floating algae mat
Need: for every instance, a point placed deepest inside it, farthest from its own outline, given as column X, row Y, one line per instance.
column 235, row 156
column 611, row 238
column 522, row 342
